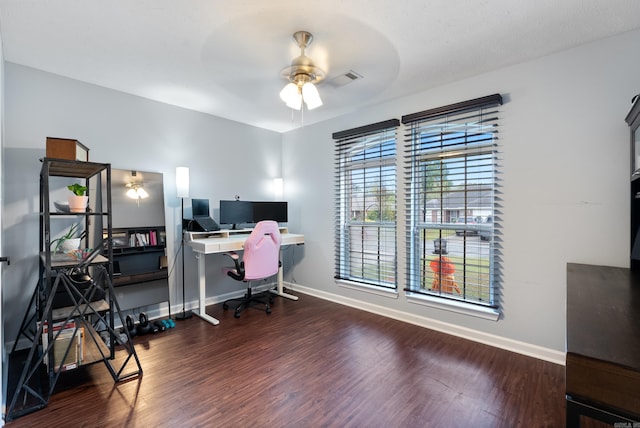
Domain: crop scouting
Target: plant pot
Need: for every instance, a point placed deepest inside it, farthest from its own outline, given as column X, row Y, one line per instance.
column 78, row 204
column 70, row 244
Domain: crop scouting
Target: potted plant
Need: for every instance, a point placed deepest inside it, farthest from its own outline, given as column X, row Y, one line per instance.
column 78, row 201
column 67, row 242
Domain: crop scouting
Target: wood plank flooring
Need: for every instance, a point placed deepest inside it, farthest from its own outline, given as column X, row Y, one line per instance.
column 311, row 363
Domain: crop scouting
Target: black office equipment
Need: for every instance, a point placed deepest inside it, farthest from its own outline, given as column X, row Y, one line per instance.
column 201, row 218
column 206, row 224
column 236, row 212
column 276, row 211
column 200, row 207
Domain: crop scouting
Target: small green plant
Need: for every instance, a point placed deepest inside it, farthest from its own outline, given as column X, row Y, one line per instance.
column 69, row 235
column 77, row 189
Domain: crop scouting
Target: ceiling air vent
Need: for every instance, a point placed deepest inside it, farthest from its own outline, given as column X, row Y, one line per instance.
column 345, row 78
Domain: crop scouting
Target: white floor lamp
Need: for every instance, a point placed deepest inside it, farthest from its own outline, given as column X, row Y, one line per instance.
column 182, row 191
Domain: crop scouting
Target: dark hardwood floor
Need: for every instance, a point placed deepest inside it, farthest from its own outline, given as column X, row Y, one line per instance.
column 311, row 363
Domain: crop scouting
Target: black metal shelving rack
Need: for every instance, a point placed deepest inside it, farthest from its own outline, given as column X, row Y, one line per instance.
column 86, row 283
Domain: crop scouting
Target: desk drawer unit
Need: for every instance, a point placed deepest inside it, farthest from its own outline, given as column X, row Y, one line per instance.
column 604, row 384
column 603, row 344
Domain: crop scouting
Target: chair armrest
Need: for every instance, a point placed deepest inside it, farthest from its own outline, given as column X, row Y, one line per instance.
column 232, row 254
column 236, row 259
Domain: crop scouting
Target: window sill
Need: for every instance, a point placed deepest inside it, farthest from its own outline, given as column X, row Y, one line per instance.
column 368, row 288
column 453, row 306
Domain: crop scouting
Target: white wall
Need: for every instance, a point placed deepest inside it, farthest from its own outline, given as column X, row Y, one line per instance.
column 565, row 157
column 225, row 158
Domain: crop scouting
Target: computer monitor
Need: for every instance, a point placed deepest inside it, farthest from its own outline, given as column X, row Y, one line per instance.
column 276, row 211
column 236, row 212
column 200, row 207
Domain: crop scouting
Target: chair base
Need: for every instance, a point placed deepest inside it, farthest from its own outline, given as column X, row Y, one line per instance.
column 250, row 300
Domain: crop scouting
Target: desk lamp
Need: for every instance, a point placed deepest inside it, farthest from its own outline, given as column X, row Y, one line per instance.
column 182, row 192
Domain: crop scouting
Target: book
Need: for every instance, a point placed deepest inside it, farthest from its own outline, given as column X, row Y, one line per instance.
column 57, row 327
column 65, row 336
column 140, row 240
column 80, row 345
column 65, row 350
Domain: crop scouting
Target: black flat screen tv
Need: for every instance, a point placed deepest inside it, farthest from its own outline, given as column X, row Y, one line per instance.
column 236, row 212
column 276, row 211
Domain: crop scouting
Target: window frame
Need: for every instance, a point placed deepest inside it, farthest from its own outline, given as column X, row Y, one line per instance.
column 381, row 135
column 484, row 111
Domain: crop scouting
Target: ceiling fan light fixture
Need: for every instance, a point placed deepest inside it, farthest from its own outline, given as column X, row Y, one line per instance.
column 295, row 102
column 136, row 191
column 132, row 193
column 142, row 193
column 291, row 95
column 311, row 96
column 302, row 76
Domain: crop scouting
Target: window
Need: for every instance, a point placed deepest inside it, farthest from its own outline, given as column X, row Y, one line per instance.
column 451, row 201
column 365, row 223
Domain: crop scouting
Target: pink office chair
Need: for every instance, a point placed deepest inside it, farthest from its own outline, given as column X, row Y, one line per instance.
column 261, row 260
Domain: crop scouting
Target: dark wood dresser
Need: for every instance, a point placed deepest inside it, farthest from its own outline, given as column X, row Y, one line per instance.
column 603, row 344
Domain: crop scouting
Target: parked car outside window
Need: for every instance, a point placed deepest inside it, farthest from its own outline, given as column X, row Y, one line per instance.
column 485, row 232
column 466, row 220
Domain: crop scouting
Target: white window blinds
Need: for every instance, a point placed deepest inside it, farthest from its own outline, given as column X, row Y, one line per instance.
column 451, row 204
column 365, row 198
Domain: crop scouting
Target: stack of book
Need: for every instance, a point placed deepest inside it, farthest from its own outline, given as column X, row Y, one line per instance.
column 68, row 347
column 142, row 239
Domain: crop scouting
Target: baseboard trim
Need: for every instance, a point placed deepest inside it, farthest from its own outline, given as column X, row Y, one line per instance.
column 535, row 351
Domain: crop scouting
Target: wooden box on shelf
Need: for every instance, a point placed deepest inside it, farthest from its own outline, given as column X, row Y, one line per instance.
column 66, row 148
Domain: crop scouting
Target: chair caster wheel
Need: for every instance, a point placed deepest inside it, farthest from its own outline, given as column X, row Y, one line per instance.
column 225, row 306
column 237, row 314
column 268, row 309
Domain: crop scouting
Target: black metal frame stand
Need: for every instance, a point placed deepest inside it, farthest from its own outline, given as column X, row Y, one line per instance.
column 184, row 314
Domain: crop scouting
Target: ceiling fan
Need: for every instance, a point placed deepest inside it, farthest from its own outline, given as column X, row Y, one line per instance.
column 302, row 76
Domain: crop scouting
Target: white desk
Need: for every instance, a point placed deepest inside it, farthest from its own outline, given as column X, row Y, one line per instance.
column 222, row 241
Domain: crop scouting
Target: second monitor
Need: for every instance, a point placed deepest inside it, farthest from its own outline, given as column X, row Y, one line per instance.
column 276, row 211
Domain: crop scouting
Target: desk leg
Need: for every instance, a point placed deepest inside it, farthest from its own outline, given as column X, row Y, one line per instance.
column 280, row 292
column 203, row 293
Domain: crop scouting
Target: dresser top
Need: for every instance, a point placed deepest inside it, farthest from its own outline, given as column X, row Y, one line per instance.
column 603, row 313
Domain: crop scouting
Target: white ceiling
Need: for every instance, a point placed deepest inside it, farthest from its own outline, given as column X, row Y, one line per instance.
column 224, row 57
